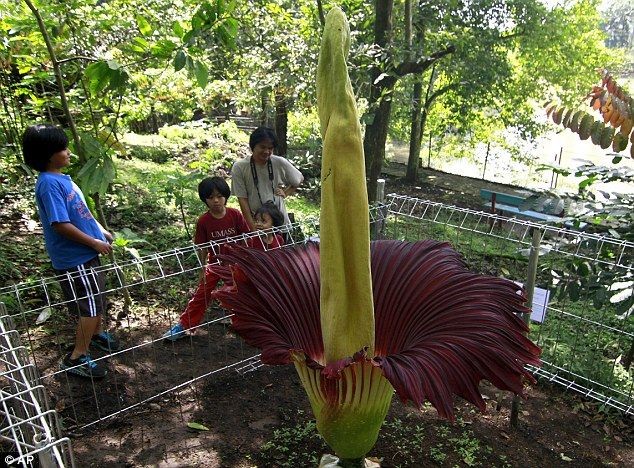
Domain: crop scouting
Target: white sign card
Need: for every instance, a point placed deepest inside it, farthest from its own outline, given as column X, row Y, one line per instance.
column 540, row 304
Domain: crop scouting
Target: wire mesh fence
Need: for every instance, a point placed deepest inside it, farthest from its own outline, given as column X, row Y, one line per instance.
column 30, row 427
column 145, row 297
column 584, row 336
column 582, row 315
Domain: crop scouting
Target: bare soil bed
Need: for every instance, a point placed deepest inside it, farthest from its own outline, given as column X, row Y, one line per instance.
column 262, row 418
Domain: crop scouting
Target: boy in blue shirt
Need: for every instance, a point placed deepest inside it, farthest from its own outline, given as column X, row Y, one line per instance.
column 74, row 240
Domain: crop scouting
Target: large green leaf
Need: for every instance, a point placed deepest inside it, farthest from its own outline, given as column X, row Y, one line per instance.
column 202, row 74
column 596, row 131
column 566, row 119
column 576, row 119
column 139, row 44
column 179, row 60
column 177, row 29
column 585, row 127
column 606, row 137
column 98, row 75
column 163, row 48
column 144, row 25
column 619, row 143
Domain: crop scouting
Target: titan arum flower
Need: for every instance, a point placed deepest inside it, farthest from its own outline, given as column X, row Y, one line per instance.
column 359, row 320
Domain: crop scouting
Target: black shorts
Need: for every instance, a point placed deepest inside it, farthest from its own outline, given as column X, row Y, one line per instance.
column 83, row 288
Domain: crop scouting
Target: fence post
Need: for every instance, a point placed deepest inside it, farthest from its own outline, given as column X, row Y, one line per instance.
column 429, row 153
column 377, row 224
column 380, row 190
column 529, row 286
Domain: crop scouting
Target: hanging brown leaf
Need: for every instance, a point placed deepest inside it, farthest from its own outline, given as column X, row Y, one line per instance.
column 619, row 93
column 617, row 119
column 606, row 137
column 595, row 103
column 550, row 106
column 576, row 119
column 626, row 127
column 596, row 131
column 619, row 143
column 610, row 85
column 585, row 127
column 596, row 91
column 558, row 114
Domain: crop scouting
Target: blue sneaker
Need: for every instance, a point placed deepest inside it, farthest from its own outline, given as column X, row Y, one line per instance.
column 175, row 333
column 105, row 341
column 83, row 366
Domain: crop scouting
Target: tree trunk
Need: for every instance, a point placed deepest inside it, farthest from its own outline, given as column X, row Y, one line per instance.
column 380, row 101
column 415, row 132
column 265, row 104
column 281, row 121
column 374, row 144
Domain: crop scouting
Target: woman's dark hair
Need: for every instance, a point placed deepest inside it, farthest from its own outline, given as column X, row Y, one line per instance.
column 40, row 143
column 207, row 186
column 261, row 134
column 273, row 211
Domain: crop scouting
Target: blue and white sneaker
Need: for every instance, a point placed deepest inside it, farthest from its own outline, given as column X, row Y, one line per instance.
column 83, row 366
column 175, row 333
column 105, row 341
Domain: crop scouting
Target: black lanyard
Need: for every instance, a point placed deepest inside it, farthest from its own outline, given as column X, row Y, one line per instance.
column 254, row 173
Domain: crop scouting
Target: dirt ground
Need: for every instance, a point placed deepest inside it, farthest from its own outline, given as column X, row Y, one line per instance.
column 243, row 411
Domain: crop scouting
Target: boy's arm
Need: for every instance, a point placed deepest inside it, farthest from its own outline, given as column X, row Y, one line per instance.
column 69, row 231
column 109, row 237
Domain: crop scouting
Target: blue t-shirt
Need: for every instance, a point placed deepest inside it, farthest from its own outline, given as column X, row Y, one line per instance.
column 59, row 200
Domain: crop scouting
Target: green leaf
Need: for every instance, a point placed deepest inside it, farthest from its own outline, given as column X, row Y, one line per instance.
column 566, row 119
column 596, row 131
column 619, row 143
column 163, row 48
column 180, row 60
column 88, row 167
column 606, row 137
column 118, row 80
column 576, row 119
column 202, row 74
column 574, row 290
column 197, row 426
column 144, row 25
column 98, row 75
column 177, row 29
column 585, row 127
column 139, row 44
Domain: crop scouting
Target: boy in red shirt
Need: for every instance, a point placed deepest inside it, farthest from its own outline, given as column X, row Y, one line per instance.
column 217, row 223
column 266, row 217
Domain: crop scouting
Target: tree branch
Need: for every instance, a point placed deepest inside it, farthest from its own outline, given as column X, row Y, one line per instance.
column 421, row 65
column 78, row 57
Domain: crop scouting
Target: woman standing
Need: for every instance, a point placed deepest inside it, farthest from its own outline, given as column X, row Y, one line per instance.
column 263, row 176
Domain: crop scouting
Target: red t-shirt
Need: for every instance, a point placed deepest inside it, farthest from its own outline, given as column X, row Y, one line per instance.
column 258, row 242
column 209, row 228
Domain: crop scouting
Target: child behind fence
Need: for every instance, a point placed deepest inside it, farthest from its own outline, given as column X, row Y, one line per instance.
column 216, row 224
